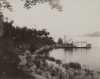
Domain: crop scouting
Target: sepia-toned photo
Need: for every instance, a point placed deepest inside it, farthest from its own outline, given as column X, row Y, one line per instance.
column 49, row 39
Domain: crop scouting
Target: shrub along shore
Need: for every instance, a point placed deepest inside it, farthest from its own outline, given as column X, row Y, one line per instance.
column 45, row 67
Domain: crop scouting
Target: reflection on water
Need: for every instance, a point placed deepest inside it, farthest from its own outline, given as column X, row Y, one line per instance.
column 87, row 57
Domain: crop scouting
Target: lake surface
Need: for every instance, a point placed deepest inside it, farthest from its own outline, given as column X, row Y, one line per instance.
column 89, row 58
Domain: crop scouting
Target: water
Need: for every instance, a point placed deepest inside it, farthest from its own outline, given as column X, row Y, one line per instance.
column 89, row 58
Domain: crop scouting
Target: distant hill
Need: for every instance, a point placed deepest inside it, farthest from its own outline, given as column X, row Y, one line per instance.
column 95, row 34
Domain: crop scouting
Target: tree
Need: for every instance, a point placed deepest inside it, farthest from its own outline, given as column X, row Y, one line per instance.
column 30, row 3
column 11, row 37
column 53, row 3
column 5, row 4
column 1, row 24
column 60, row 41
column 32, row 37
column 17, row 38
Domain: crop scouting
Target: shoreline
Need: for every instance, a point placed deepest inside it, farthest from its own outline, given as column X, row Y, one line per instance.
column 47, row 67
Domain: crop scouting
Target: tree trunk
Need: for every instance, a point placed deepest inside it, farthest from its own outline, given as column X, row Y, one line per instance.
column 1, row 24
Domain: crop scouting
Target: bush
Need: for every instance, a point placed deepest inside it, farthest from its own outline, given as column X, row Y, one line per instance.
column 74, row 65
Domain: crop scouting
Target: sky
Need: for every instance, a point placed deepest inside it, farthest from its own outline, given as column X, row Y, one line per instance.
column 78, row 17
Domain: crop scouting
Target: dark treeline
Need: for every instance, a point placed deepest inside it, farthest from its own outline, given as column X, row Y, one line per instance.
column 15, row 39
column 32, row 37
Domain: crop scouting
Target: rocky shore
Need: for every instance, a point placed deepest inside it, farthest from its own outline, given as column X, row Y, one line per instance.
column 45, row 67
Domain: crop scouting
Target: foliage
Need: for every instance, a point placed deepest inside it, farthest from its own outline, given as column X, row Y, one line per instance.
column 32, row 37
column 5, row 4
column 60, row 41
column 30, row 3
column 15, row 39
column 75, row 65
column 53, row 3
